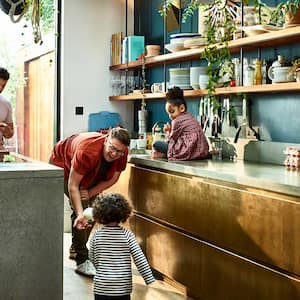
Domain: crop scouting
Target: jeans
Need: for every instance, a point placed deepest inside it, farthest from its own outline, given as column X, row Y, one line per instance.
column 80, row 237
column 161, row 146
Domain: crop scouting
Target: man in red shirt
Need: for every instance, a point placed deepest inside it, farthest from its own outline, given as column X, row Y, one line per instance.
column 92, row 162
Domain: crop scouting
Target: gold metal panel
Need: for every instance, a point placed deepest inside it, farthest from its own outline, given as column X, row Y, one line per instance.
column 209, row 272
column 261, row 226
column 121, row 186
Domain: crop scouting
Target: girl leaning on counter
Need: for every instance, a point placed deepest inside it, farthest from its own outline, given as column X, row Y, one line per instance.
column 185, row 137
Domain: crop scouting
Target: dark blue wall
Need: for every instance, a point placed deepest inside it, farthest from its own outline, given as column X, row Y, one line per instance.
column 277, row 115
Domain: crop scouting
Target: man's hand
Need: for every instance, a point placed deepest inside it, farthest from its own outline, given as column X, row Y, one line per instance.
column 3, row 125
column 7, row 129
column 81, row 223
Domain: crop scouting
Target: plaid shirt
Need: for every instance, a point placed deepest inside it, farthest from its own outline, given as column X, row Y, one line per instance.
column 186, row 140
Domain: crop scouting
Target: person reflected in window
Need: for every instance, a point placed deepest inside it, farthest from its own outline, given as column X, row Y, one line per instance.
column 6, row 120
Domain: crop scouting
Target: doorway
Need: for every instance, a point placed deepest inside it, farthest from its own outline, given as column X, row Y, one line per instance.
column 36, row 127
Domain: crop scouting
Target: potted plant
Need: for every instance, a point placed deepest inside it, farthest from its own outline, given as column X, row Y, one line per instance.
column 286, row 14
column 220, row 27
column 295, row 69
column 20, row 6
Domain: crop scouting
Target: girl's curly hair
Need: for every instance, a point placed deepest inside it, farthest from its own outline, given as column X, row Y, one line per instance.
column 175, row 96
column 112, row 207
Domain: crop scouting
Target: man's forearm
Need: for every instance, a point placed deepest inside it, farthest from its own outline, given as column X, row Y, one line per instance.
column 76, row 200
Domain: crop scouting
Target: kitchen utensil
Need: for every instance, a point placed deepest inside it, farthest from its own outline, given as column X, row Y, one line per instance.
column 157, row 132
column 244, row 120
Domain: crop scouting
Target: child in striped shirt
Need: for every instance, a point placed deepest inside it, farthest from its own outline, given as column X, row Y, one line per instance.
column 111, row 249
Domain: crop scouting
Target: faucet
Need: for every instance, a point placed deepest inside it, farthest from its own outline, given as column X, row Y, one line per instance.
column 245, row 123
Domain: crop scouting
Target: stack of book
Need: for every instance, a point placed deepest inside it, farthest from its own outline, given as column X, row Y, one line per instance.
column 127, row 49
column 116, row 48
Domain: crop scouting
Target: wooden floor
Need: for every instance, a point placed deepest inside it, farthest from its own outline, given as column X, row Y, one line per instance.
column 77, row 287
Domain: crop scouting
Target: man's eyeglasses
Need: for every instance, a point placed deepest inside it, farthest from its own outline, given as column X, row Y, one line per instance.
column 113, row 149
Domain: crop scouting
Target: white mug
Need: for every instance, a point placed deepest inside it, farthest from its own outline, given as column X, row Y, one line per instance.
column 157, row 87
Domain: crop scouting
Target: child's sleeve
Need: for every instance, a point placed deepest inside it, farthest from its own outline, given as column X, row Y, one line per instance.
column 140, row 259
column 176, row 130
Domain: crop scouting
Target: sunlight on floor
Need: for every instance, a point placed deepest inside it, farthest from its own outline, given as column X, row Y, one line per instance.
column 77, row 287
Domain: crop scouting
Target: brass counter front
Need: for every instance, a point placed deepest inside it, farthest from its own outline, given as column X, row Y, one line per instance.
column 258, row 226
column 220, row 239
column 209, row 272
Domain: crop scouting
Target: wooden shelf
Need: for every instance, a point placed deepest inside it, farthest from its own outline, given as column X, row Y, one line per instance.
column 288, row 87
column 265, row 40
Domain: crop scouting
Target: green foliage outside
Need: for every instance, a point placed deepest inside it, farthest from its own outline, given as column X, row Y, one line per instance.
column 47, row 19
column 7, row 59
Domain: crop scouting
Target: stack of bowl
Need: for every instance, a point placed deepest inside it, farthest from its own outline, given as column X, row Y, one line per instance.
column 177, row 41
column 152, row 50
column 180, row 77
column 195, row 72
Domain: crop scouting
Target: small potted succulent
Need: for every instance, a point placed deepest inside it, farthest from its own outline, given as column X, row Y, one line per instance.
column 286, row 14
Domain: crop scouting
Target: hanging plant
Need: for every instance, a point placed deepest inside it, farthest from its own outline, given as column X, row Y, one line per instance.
column 16, row 9
column 220, row 24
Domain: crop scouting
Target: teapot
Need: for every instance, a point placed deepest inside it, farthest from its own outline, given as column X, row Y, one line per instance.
column 279, row 71
column 280, row 74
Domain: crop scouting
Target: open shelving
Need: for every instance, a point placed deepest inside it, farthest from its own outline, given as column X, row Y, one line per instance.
column 287, row 87
column 275, row 38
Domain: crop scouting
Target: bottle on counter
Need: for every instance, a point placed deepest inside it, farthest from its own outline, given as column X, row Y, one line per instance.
column 258, row 72
column 264, row 71
column 237, row 71
column 248, row 76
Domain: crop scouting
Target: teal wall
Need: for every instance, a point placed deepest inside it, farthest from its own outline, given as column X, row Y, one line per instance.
column 277, row 115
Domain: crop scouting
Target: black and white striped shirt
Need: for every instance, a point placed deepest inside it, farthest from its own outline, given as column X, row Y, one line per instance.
column 111, row 249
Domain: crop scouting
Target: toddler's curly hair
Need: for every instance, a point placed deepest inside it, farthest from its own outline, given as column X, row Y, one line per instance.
column 112, row 207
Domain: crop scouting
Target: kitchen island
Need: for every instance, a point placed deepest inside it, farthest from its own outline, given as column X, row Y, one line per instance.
column 221, row 229
column 31, row 218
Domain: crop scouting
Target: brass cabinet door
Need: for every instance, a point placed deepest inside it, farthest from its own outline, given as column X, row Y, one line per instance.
column 209, row 272
column 262, row 226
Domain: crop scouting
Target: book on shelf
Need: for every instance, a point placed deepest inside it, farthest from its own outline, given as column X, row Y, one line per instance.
column 116, row 48
column 136, row 47
column 124, row 50
column 132, row 47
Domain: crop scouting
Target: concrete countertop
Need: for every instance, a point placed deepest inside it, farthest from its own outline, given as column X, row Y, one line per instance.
column 26, row 167
column 269, row 177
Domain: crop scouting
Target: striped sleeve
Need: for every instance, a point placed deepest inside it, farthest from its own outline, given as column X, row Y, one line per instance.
column 139, row 258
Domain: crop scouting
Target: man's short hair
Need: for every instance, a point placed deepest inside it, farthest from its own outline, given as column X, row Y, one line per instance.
column 4, row 74
column 120, row 134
